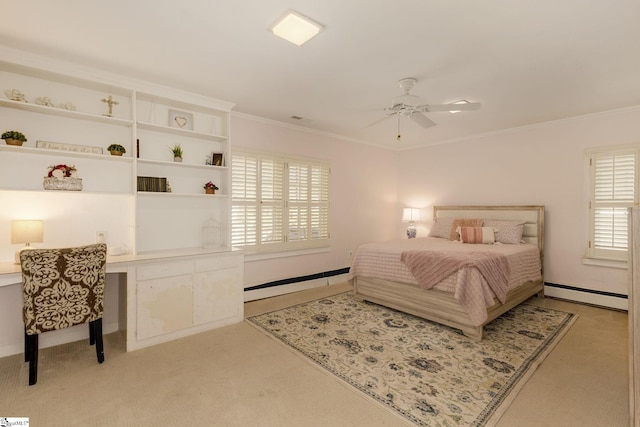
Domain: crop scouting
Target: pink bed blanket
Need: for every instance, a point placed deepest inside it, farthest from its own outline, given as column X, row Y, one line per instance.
column 431, row 267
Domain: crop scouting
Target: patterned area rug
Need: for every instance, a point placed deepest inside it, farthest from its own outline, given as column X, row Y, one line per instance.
column 429, row 374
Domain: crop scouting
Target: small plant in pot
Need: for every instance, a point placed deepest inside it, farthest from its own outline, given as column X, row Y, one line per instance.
column 13, row 137
column 177, row 152
column 116, row 149
column 210, row 188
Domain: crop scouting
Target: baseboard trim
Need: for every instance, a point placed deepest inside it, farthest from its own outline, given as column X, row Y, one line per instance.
column 588, row 296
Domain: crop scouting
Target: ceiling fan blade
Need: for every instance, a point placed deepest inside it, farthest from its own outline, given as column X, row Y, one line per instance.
column 378, row 121
column 422, row 120
column 453, row 107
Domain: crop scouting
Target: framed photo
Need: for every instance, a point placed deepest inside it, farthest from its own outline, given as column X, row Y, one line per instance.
column 49, row 145
column 217, row 159
column 180, row 119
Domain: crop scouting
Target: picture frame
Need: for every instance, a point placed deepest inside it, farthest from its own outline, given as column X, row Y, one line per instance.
column 50, row 145
column 180, row 119
column 217, row 159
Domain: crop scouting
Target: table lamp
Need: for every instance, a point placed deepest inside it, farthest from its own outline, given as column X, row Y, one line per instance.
column 27, row 232
column 411, row 215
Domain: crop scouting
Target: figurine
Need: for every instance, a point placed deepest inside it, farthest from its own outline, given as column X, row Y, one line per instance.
column 67, row 106
column 110, row 102
column 44, row 100
column 15, row 95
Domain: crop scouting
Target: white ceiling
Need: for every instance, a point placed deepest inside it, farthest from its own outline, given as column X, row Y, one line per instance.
column 527, row 62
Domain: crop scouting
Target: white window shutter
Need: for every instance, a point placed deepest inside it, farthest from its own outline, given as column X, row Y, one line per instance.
column 244, row 212
column 279, row 203
column 271, row 201
column 614, row 181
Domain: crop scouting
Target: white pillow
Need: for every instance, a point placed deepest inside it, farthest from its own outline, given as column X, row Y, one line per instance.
column 509, row 232
column 441, row 228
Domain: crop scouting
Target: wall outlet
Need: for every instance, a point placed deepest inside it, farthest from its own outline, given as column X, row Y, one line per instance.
column 101, row 237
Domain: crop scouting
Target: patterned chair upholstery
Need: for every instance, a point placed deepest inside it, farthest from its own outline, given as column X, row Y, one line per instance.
column 62, row 288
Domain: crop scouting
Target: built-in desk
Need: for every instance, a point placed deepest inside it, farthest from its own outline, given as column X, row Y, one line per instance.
column 164, row 295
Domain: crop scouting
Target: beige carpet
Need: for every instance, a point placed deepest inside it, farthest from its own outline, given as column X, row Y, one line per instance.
column 237, row 376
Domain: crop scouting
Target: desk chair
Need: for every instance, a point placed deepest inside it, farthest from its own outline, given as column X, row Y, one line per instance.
column 62, row 288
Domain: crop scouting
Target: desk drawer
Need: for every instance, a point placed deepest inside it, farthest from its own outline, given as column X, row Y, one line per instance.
column 164, row 269
column 219, row 262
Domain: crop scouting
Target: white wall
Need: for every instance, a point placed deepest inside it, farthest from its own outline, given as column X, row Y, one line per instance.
column 363, row 191
column 534, row 165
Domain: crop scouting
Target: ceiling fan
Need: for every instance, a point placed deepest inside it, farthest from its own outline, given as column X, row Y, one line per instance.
column 412, row 106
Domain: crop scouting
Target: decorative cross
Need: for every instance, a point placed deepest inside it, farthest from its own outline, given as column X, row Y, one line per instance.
column 110, row 102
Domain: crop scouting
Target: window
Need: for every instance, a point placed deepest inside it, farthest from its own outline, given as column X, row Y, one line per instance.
column 614, row 188
column 278, row 203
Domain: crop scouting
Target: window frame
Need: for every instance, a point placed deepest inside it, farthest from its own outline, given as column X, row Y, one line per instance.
column 612, row 255
column 263, row 200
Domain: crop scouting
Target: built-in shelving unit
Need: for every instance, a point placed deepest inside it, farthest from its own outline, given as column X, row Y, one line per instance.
column 73, row 112
column 182, row 276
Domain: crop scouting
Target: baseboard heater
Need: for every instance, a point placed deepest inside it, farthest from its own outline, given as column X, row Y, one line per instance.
column 299, row 279
column 589, row 291
column 345, row 270
column 587, row 296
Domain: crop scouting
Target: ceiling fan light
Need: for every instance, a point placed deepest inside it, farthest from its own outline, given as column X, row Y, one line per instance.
column 407, row 100
column 296, row 29
column 462, row 101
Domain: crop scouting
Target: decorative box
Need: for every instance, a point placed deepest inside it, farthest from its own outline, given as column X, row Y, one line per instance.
column 69, row 184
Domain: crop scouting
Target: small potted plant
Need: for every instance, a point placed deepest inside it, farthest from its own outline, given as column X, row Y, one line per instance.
column 12, row 137
column 210, row 188
column 116, row 149
column 177, row 152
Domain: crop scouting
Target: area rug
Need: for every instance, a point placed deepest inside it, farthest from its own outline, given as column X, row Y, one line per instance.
column 429, row 374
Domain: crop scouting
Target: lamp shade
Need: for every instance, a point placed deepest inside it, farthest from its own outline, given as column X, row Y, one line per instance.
column 411, row 215
column 26, row 231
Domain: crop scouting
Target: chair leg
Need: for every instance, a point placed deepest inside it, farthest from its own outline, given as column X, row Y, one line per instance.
column 96, row 328
column 32, row 345
column 92, row 333
column 26, row 345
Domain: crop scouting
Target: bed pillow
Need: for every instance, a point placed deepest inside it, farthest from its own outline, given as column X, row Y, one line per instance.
column 509, row 232
column 441, row 228
column 463, row 222
column 483, row 235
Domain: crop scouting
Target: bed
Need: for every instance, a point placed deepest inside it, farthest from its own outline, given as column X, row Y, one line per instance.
column 387, row 273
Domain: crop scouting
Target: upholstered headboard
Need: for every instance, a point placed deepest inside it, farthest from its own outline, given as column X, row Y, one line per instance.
column 533, row 217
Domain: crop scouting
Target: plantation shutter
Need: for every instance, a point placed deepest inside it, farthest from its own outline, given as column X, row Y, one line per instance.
column 278, row 204
column 319, row 203
column 244, row 209
column 271, row 201
column 298, row 204
column 614, row 178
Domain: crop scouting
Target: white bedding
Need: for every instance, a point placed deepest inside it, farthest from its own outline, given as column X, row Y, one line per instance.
column 382, row 260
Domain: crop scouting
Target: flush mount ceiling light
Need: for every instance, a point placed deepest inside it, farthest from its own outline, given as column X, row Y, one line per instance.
column 296, row 28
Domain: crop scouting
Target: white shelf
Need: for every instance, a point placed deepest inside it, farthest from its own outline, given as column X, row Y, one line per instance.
column 191, row 195
column 180, row 131
column 180, row 164
column 49, row 152
column 61, row 112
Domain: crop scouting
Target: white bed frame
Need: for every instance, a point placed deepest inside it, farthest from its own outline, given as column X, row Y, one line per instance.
column 442, row 307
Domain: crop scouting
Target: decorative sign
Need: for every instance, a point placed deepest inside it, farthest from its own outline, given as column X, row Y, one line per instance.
column 69, row 147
